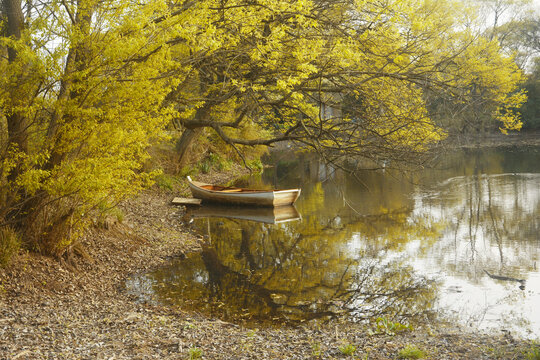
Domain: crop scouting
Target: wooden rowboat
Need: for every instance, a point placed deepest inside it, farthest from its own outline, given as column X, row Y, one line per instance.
column 232, row 195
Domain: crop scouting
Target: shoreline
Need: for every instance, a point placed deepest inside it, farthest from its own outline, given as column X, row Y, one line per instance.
column 78, row 308
column 498, row 139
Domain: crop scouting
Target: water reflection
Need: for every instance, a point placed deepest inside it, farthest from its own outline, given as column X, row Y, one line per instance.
column 489, row 249
column 257, row 271
column 455, row 239
column 269, row 215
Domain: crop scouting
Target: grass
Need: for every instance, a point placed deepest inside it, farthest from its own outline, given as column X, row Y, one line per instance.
column 347, row 349
column 214, row 162
column 195, row 353
column 108, row 212
column 385, row 326
column 533, row 353
column 316, row 349
column 9, row 245
column 167, row 182
column 411, row 352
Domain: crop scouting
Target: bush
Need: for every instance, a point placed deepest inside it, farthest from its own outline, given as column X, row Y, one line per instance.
column 9, row 245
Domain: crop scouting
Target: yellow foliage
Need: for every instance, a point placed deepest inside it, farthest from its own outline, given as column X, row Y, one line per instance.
column 94, row 84
column 283, row 61
column 92, row 109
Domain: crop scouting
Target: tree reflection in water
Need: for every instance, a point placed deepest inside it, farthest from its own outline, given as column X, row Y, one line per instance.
column 371, row 248
column 260, row 272
column 309, row 269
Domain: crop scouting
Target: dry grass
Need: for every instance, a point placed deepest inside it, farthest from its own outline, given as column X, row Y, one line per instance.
column 9, row 245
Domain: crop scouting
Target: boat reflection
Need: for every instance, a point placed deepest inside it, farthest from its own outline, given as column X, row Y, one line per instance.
column 268, row 215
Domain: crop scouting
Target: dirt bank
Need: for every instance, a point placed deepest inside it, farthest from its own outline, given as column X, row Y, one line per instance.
column 78, row 308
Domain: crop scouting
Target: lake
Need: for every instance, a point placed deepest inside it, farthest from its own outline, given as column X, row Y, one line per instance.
column 459, row 242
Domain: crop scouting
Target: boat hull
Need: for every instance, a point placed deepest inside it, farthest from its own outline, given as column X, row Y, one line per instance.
column 243, row 196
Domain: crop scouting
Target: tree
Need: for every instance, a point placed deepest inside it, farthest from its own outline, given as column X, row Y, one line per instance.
column 500, row 12
column 523, row 38
column 88, row 85
column 82, row 96
column 531, row 109
column 373, row 63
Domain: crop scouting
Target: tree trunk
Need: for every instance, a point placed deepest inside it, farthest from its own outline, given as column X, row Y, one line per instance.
column 76, row 61
column 184, row 144
column 16, row 122
column 15, row 203
column 15, row 23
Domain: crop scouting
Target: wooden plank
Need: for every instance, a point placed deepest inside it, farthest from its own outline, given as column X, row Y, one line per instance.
column 186, row 201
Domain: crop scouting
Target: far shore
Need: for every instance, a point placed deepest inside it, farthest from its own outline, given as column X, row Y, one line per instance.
column 513, row 138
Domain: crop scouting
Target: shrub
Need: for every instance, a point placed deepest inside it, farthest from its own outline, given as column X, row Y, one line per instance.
column 256, row 164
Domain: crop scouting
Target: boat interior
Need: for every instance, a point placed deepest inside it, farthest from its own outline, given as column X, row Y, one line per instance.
column 227, row 189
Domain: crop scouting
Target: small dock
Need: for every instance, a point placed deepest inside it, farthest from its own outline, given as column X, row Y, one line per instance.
column 185, row 201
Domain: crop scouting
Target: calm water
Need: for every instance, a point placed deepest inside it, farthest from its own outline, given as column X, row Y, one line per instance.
column 460, row 241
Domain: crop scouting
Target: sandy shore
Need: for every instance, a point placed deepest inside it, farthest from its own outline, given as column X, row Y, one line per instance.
column 78, row 308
